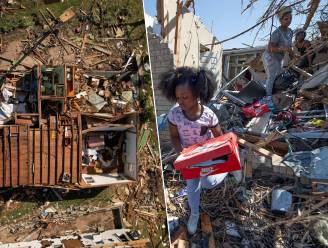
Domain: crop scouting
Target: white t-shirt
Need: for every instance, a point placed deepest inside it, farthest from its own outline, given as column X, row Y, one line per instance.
column 193, row 131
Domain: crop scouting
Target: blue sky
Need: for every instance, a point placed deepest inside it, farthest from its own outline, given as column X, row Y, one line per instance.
column 224, row 19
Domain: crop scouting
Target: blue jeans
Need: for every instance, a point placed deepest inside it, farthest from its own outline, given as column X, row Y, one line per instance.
column 273, row 67
column 194, row 187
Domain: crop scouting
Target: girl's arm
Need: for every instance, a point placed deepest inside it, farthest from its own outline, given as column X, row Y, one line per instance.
column 217, row 131
column 175, row 138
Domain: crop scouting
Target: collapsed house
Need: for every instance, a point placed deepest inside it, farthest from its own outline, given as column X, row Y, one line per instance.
column 72, row 120
column 57, row 134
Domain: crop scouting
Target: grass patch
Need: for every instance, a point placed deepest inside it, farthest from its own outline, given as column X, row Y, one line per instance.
column 100, row 12
column 155, row 240
column 31, row 16
column 23, row 209
column 86, row 197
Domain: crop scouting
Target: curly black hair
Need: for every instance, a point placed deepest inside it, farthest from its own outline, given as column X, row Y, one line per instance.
column 201, row 83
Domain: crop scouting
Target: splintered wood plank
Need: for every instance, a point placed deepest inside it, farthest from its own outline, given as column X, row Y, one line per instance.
column 14, row 155
column 79, row 150
column 13, row 158
column 52, row 156
column 31, row 141
column 249, row 164
column 75, row 159
column 2, row 163
column 7, row 159
column 207, row 228
column 52, row 152
column 141, row 243
column 37, row 146
column 23, row 170
column 59, row 151
column 67, row 15
column 67, row 148
column 276, row 159
column 281, row 148
column 71, row 172
column 45, row 156
column 270, row 138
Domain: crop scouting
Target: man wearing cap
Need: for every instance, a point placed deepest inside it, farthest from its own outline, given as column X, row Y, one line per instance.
column 279, row 44
column 303, row 46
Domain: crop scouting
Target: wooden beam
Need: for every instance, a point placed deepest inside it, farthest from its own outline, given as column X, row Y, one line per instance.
column 275, row 158
column 281, row 148
column 249, row 164
column 181, row 233
column 135, row 243
column 207, row 229
column 314, row 6
column 67, row 15
column 302, row 72
column 270, row 138
column 79, row 148
column 178, row 29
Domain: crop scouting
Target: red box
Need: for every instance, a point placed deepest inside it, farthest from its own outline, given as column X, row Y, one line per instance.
column 256, row 109
column 214, row 156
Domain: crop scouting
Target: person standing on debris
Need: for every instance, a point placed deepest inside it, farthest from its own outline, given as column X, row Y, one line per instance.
column 303, row 46
column 279, row 44
column 192, row 122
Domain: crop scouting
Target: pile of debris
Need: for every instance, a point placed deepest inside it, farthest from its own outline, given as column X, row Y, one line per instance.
column 72, row 90
column 43, row 213
column 283, row 148
column 246, row 216
column 111, row 238
column 52, row 224
column 145, row 203
column 100, row 73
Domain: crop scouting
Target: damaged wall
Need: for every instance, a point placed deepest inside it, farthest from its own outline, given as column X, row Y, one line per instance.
column 193, row 40
column 194, row 50
column 161, row 59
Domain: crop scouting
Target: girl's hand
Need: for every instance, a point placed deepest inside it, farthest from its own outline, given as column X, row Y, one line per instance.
column 175, row 138
column 217, row 131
